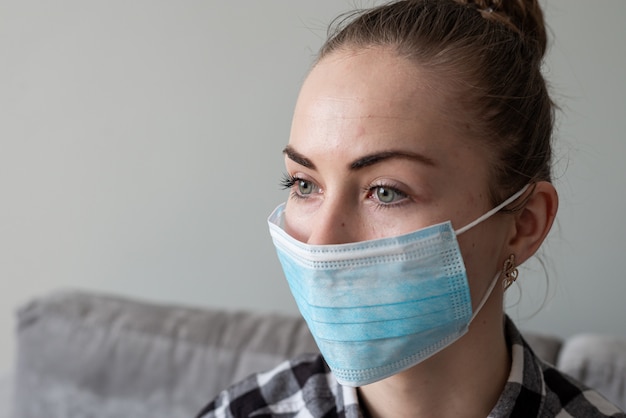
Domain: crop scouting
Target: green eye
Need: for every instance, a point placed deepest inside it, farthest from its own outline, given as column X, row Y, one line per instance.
column 386, row 195
column 305, row 187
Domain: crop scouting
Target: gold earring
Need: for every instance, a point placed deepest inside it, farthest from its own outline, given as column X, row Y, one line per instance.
column 510, row 272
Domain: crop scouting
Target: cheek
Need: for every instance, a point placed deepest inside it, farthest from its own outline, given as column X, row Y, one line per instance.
column 471, row 251
column 481, row 249
column 296, row 225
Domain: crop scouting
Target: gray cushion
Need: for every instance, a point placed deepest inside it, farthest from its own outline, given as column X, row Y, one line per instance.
column 599, row 361
column 91, row 355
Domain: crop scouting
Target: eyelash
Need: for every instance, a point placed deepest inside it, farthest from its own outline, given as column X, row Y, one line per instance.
column 288, row 182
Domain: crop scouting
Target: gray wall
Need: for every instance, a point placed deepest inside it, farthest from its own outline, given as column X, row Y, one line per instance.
column 140, row 153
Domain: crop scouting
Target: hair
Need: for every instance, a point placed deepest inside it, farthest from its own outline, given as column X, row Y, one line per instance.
column 490, row 53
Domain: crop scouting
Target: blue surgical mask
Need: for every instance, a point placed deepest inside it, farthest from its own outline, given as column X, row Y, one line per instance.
column 378, row 307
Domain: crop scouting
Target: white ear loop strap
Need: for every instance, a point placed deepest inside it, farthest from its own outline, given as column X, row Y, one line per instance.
column 492, row 211
column 486, row 296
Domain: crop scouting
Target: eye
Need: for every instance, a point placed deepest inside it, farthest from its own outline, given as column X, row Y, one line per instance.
column 386, row 195
column 300, row 187
column 304, row 187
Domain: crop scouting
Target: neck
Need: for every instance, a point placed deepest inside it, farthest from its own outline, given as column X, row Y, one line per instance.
column 465, row 379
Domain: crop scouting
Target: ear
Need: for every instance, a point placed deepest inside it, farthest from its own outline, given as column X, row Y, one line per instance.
column 534, row 221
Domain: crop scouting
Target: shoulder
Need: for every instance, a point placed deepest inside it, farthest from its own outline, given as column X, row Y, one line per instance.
column 565, row 395
column 537, row 389
column 302, row 384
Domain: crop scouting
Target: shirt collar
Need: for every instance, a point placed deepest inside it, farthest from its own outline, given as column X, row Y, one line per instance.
column 525, row 388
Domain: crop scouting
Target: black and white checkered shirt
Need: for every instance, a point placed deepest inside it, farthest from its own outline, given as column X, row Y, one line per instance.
column 305, row 388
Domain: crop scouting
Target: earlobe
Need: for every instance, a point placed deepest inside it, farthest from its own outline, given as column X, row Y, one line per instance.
column 534, row 221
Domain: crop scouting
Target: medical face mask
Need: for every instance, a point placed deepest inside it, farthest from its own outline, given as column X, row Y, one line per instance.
column 378, row 307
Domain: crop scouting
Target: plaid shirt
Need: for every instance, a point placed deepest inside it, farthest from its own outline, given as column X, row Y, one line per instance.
column 305, row 388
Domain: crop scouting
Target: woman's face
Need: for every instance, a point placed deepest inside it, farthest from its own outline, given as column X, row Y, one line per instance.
column 375, row 152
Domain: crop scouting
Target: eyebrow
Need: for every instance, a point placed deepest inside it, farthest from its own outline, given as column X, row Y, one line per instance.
column 378, row 157
column 295, row 156
column 362, row 162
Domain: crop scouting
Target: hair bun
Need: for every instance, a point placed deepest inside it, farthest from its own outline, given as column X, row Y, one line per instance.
column 522, row 16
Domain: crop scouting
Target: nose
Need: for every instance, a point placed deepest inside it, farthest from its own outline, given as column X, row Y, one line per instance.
column 334, row 223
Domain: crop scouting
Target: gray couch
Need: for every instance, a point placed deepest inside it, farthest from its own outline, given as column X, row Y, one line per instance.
column 91, row 355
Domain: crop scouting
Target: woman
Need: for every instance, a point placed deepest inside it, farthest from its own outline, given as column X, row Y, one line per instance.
column 419, row 176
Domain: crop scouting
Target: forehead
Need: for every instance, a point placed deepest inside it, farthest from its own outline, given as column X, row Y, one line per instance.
column 372, row 98
column 359, row 103
column 378, row 78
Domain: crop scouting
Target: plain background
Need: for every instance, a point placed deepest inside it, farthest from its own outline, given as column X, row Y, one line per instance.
column 140, row 154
